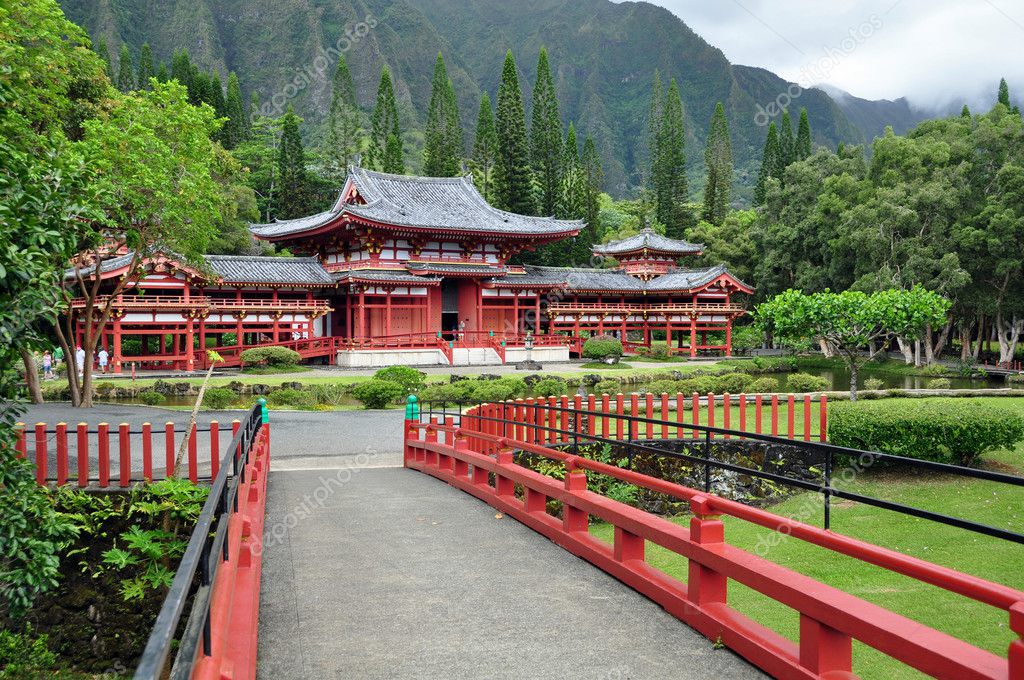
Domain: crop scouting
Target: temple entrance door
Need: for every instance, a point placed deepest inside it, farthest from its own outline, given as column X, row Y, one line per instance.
column 449, row 308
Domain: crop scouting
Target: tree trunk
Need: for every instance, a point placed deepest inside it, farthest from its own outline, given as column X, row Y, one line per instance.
column 934, row 350
column 70, row 369
column 1008, row 333
column 826, row 348
column 853, row 380
column 906, row 348
column 965, row 340
column 981, row 337
column 32, row 376
column 917, row 353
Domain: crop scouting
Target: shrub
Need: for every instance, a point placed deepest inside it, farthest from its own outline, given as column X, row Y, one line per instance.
column 442, row 393
column 502, row 389
column 409, row 378
column 747, row 337
column 549, row 387
column 805, row 382
column 290, row 396
column 329, row 394
column 660, row 353
column 217, row 398
column 946, row 430
column 734, row 383
column 608, row 386
column 270, row 356
column 23, row 655
column 938, row 384
column 151, row 398
column 659, row 387
column 701, row 385
column 873, row 384
column 1015, row 378
column 376, row 393
column 764, row 386
column 602, row 347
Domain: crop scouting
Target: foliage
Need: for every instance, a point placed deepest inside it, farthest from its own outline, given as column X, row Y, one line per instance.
column 668, row 166
column 549, row 387
column 219, row 398
column 292, row 197
column 938, row 384
column 153, row 398
column 771, row 164
column 485, row 148
column 376, row 393
column 270, row 356
column 805, row 382
column 344, row 138
column 596, row 482
column 442, row 150
column 502, row 389
column 409, row 378
column 764, row 385
column 513, row 179
column 385, row 150
column 289, row 396
column 25, row 656
column 329, row 394
column 608, row 386
column 873, row 384
column 718, row 162
column 602, row 347
column 945, row 430
column 546, row 137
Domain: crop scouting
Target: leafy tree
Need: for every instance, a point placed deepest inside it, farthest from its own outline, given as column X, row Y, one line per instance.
column 771, row 164
column 442, row 151
column 546, row 137
column 804, row 146
column 125, row 71
column 234, row 130
column 787, row 144
column 513, row 180
column 145, row 67
column 258, row 154
column 851, row 320
column 485, row 150
column 291, row 169
column 669, row 181
column 182, row 69
column 344, row 125
column 718, row 161
column 731, row 243
column 385, row 151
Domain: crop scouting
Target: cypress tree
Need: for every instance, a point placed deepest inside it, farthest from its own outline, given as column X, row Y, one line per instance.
column 594, row 177
column 162, row 74
column 291, row 169
column 670, row 186
column 125, row 71
column 771, row 162
column 385, row 152
column 344, row 124
column 513, row 180
column 654, row 114
column 718, row 161
column 546, row 137
column 145, row 67
column 442, row 150
column 217, row 101
column 804, row 146
column 104, row 52
column 787, row 145
column 965, row 112
column 1004, row 94
column 485, row 150
column 572, row 188
column 181, row 69
column 234, row 128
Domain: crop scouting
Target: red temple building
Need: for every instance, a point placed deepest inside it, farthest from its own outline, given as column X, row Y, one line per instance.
column 415, row 270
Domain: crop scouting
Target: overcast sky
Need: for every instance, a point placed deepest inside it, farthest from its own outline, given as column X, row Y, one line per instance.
column 935, row 52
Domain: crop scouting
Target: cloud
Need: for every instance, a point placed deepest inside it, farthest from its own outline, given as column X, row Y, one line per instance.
column 937, row 53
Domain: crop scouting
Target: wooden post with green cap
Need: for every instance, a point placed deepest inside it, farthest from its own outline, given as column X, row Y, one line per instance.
column 412, row 418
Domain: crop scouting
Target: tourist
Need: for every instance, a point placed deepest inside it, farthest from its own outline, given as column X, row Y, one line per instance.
column 58, row 356
column 462, row 329
column 104, row 359
column 47, row 365
column 80, row 360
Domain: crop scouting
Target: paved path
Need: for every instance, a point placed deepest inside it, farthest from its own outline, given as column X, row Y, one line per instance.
column 389, row 573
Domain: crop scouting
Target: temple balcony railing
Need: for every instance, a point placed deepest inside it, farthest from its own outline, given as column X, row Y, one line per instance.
column 574, row 308
column 176, row 303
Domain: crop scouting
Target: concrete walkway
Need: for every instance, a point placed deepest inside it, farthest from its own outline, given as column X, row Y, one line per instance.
column 389, row 573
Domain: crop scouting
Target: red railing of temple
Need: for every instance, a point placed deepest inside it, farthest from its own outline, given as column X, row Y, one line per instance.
column 477, row 458
column 680, row 307
column 202, row 302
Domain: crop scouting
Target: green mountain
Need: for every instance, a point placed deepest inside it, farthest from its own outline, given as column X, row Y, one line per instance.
column 603, row 55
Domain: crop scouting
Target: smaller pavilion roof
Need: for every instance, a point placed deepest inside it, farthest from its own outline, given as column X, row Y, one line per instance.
column 650, row 240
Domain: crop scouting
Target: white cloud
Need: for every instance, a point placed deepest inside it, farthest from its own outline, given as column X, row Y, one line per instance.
column 934, row 52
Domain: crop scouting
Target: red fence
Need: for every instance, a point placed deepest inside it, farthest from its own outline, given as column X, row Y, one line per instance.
column 477, row 458
column 112, row 463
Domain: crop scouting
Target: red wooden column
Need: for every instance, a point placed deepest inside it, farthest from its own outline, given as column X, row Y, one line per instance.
column 277, row 318
column 387, row 310
column 189, row 339
column 693, row 336
column 728, row 337
column 117, row 344
column 360, row 313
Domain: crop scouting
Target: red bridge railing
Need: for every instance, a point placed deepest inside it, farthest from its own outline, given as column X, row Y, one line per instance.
column 477, row 457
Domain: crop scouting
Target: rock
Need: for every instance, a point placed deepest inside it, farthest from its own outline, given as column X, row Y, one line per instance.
column 591, row 379
column 529, row 365
column 487, row 376
column 236, row 387
column 291, row 386
column 532, row 380
column 454, row 378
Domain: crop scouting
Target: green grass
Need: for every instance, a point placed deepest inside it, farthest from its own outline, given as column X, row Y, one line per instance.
column 273, row 370
column 601, row 366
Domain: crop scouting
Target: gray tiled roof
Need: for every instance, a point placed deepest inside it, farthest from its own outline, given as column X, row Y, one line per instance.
column 382, row 275
column 610, row 279
column 686, row 279
column 251, row 269
column 456, row 268
column 285, row 227
column 106, row 266
column 650, row 239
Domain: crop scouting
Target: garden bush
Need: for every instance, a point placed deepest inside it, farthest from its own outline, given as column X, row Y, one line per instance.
column 602, row 347
column 805, row 382
column 290, row 396
column 270, row 356
column 549, row 387
column 763, row 386
column 1015, row 378
column 701, row 384
column 502, row 389
column 938, row 384
column 608, row 386
column 329, row 394
column 409, row 378
column 659, row 387
column 873, row 384
column 217, row 398
column 376, row 393
column 659, row 353
column 735, row 383
column 151, row 398
column 947, row 430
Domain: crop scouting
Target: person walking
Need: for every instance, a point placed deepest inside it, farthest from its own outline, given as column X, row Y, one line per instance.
column 47, row 365
column 58, row 356
column 80, row 360
column 104, row 359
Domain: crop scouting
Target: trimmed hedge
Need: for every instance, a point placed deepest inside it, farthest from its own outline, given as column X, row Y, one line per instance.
column 377, row 393
column 409, row 378
column 151, row 398
column 270, row 356
column 608, row 386
column 602, row 347
column 218, row 398
column 550, row 387
column 290, row 396
column 764, row 385
column 947, row 430
column 805, row 382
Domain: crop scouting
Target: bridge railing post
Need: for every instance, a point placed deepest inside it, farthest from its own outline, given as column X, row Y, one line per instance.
column 574, row 519
column 430, row 457
column 412, row 418
column 824, row 649
column 460, row 468
column 503, row 486
column 705, row 585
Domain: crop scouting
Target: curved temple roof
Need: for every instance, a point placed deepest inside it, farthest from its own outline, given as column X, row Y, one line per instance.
column 614, row 280
column 421, row 203
column 648, row 239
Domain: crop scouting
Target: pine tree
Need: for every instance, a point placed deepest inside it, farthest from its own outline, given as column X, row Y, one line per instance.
column 546, row 137
column 513, row 180
column 291, row 169
column 125, row 71
column 181, row 69
column 344, row 125
column 442, row 150
column 162, row 74
column 104, row 54
column 217, row 100
column 1004, row 93
column 572, row 197
column 804, row 146
column 718, row 161
column 485, row 149
column 385, row 152
column 965, row 112
column 234, row 130
column 145, row 67
column 787, row 145
column 771, row 163
column 670, row 186
column 594, row 177
column 654, row 114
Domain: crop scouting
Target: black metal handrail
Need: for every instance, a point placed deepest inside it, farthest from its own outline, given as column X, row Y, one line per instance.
column 830, row 453
column 206, row 549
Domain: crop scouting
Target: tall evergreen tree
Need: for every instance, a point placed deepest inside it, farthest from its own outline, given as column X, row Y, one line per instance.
column 234, row 130
column 571, row 202
column 1004, row 94
column 181, row 69
column 787, row 144
column 291, row 169
column 145, row 67
column 104, row 53
column 594, row 177
column 385, row 152
column 771, row 163
column 485, row 150
column 804, row 146
column 670, row 185
column 162, row 74
column 654, row 115
column 217, row 100
column 718, row 161
column 965, row 112
column 546, row 137
column 513, row 180
column 344, row 124
column 442, row 150
column 125, row 70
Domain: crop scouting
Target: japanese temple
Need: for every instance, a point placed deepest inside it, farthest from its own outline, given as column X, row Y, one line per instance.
column 416, row 270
